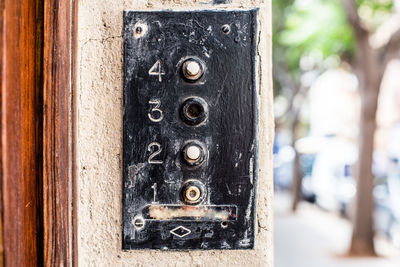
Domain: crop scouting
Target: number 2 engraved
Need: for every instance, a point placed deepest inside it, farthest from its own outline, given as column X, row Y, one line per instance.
column 155, row 109
column 156, row 152
column 156, row 70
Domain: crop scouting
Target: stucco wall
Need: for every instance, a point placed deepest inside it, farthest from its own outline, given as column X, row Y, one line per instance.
column 99, row 140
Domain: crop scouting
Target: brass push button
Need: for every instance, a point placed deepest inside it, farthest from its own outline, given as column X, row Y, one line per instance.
column 193, row 192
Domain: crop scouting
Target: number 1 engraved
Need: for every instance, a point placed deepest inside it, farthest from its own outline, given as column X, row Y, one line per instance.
column 154, row 192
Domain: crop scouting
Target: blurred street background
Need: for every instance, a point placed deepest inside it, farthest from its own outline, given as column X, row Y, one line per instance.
column 337, row 143
column 312, row 237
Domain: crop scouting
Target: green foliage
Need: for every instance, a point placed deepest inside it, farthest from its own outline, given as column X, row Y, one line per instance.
column 279, row 10
column 374, row 12
column 305, row 26
column 315, row 25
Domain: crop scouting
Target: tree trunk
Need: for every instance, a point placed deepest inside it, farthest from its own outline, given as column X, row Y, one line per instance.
column 297, row 176
column 363, row 231
column 297, row 179
column 371, row 73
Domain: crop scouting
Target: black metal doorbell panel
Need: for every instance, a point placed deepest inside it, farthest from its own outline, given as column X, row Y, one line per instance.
column 190, row 130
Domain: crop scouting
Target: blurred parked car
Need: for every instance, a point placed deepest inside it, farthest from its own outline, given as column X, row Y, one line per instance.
column 387, row 199
column 283, row 167
column 327, row 167
column 329, row 178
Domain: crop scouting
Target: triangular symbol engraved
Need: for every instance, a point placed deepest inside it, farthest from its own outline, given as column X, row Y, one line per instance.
column 180, row 231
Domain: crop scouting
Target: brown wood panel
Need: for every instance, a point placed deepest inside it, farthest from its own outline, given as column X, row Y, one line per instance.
column 1, row 132
column 37, row 167
column 21, row 130
column 58, row 72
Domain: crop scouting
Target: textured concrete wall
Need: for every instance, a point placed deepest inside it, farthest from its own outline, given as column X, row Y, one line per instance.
column 99, row 140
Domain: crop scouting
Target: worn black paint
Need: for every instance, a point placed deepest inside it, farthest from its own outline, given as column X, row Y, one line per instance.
column 218, row 2
column 228, row 85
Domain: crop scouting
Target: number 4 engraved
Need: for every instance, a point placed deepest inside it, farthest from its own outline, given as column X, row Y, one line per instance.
column 156, row 70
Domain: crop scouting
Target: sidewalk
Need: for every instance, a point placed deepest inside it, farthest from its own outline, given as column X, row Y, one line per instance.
column 314, row 238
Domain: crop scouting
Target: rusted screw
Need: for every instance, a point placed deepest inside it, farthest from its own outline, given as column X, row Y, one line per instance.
column 139, row 30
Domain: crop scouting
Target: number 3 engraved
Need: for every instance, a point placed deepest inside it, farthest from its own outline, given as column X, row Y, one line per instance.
column 156, row 109
column 157, row 151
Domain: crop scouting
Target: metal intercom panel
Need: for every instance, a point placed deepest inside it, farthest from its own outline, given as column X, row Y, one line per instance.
column 190, row 129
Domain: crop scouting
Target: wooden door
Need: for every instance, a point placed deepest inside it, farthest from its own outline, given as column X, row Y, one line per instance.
column 37, row 78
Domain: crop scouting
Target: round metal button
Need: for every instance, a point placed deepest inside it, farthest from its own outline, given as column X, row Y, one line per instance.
column 192, row 69
column 193, row 152
column 192, row 193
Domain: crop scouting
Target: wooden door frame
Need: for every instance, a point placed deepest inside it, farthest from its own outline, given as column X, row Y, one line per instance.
column 59, row 74
column 21, row 56
column 37, row 68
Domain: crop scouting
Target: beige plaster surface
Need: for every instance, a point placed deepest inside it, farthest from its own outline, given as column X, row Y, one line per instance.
column 99, row 140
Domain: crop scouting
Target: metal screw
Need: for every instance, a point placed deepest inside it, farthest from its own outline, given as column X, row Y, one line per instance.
column 138, row 223
column 139, row 30
column 226, row 29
